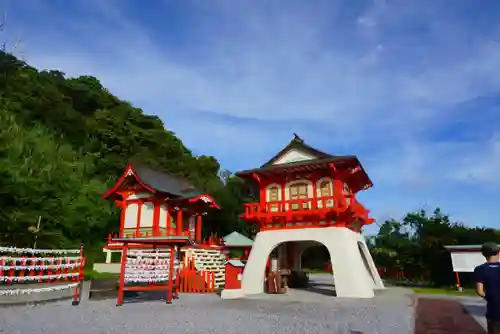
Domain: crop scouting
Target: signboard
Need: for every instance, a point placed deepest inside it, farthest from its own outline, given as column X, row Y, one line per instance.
column 274, row 265
column 465, row 262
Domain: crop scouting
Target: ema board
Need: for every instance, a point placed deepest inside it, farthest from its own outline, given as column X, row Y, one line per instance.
column 466, row 261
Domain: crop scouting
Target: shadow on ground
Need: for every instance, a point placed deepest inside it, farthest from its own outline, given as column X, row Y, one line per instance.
column 474, row 309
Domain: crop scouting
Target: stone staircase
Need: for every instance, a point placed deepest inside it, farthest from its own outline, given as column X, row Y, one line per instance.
column 210, row 260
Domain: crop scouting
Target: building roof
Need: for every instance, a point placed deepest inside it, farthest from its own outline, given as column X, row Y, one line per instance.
column 338, row 160
column 299, row 144
column 359, row 179
column 236, row 239
column 464, row 247
column 165, row 182
column 235, row 263
column 156, row 181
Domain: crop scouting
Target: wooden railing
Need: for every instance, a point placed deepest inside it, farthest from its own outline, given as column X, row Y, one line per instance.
column 212, row 240
column 305, row 204
column 191, row 280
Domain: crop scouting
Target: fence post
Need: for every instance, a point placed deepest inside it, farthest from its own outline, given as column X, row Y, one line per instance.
column 77, row 296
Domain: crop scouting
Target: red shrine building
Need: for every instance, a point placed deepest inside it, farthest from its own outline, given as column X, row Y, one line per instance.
column 154, row 205
column 158, row 204
column 306, row 197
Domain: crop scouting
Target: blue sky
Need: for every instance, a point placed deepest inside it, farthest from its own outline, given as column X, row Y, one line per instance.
column 412, row 87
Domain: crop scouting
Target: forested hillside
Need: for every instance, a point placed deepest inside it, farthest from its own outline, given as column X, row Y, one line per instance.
column 63, row 143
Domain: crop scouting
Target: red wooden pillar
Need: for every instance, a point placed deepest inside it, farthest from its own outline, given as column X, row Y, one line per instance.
column 123, row 206
column 283, row 198
column 156, row 218
column 169, row 219
column 119, row 299
column 179, row 223
column 338, row 193
column 198, row 229
column 315, row 193
column 171, row 275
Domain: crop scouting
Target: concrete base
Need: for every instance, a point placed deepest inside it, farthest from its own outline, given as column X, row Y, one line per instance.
column 354, row 271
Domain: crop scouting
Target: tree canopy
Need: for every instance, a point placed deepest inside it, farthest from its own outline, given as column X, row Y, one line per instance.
column 415, row 245
column 65, row 141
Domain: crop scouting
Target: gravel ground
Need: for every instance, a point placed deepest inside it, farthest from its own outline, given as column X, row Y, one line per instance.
column 388, row 313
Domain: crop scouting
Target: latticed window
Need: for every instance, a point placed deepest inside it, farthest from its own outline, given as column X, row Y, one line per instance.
column 325, row 189
column 298, row 191
column 274, row 197
column 273, row 194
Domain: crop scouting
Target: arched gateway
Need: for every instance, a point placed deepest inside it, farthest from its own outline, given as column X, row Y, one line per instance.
column 308, row 195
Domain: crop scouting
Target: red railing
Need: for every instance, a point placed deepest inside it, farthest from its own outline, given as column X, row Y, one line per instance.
column 304, row 205
column 212, row 240
column 191, row 280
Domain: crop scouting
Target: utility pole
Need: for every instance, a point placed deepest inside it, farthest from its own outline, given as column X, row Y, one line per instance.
column 37, row 230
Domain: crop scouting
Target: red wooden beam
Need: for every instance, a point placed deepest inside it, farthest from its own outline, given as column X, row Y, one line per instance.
column 128, row 172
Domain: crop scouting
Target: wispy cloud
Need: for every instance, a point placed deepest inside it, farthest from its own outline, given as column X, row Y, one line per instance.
column 381, row 79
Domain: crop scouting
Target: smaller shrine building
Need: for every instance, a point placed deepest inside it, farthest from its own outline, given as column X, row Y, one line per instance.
column 156, row 204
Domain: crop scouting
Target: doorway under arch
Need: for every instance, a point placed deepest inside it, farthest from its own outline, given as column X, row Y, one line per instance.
column 352, row 280
column 304, row 269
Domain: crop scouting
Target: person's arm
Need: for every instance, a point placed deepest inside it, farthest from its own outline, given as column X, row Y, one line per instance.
column 478, row 276
column 480, row 289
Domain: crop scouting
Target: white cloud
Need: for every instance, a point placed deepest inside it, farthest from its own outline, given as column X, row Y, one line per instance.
column 286, row 63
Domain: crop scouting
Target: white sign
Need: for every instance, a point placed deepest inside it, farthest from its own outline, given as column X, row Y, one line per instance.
column 465, row 262
column 274, row 265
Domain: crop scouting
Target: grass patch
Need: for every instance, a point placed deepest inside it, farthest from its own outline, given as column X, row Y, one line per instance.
column 91, row 274
column 443, row 291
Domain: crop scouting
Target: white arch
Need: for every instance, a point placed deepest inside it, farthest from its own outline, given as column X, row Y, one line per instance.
column 352, row 279
column 372, row 269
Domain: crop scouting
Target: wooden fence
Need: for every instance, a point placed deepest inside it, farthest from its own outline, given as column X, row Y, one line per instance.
column 191, row 280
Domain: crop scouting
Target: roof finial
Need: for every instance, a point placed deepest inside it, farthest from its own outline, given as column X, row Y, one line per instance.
column 297, row 138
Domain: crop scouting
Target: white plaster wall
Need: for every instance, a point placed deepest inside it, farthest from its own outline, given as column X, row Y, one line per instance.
column 294, row 155
column 352, row 279
column 147, row 214
column 163, row 216
column 131, row 215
